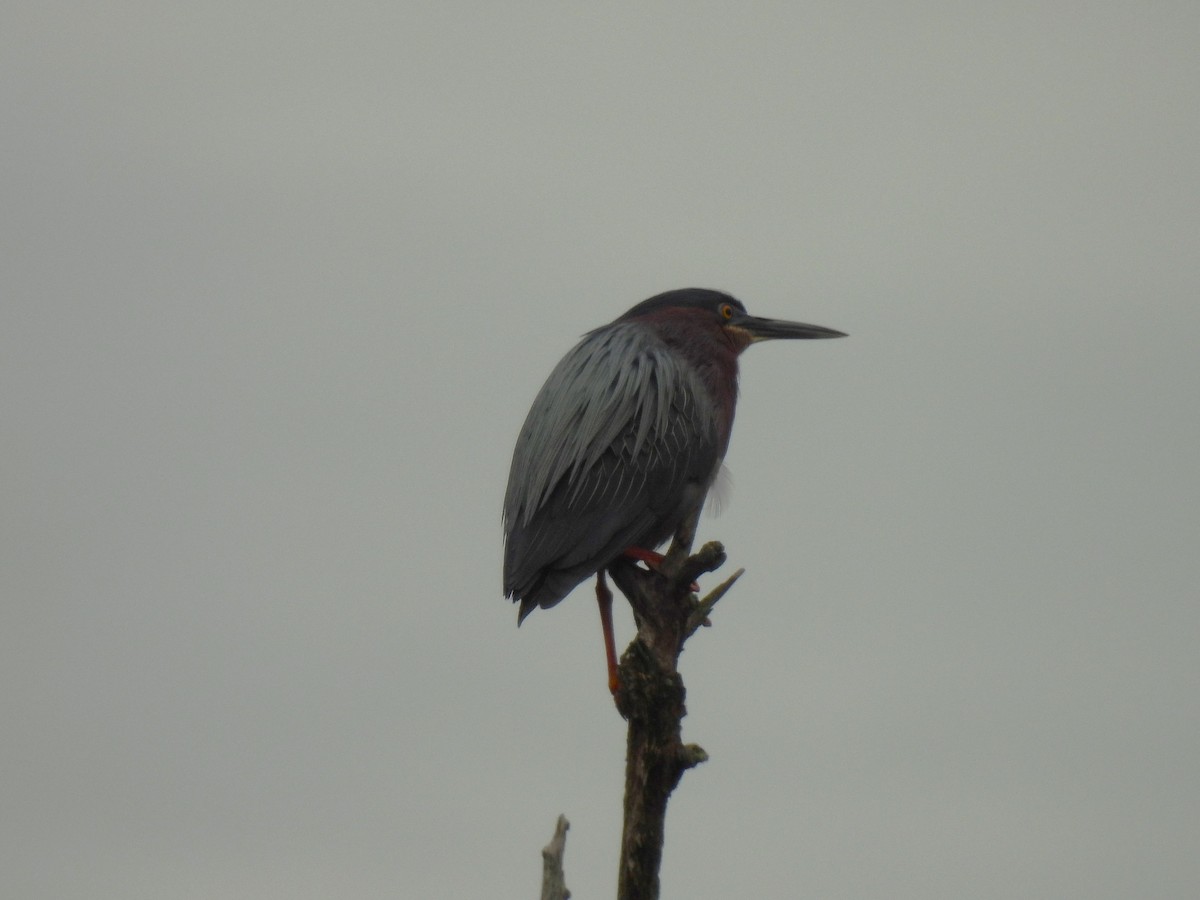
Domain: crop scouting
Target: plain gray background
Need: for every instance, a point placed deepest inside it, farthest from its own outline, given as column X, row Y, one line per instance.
column 280, row 281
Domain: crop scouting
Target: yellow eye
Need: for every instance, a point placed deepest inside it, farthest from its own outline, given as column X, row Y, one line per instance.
column 726, row 311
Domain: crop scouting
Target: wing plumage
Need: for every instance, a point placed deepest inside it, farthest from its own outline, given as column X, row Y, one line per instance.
column 618, row 447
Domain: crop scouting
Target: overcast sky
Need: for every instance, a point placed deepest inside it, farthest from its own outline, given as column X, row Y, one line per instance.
column 279, row 283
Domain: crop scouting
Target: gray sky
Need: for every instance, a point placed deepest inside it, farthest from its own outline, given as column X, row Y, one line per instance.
column 280, row 282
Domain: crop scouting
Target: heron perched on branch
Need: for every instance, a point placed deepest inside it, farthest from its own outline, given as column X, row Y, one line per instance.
column 624, row 441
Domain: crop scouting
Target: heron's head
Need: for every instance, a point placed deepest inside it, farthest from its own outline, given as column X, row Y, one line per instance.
column 688, row 309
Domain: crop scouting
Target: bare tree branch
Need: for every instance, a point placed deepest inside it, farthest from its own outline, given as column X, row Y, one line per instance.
column 554, row 882
column 699, row 616
column 651, row 698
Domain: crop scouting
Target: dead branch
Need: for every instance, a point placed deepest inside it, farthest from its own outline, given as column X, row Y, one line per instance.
column 651, row 698
column 554, row 882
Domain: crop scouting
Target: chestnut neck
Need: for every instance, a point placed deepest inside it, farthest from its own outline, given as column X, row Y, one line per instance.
column 712, row 352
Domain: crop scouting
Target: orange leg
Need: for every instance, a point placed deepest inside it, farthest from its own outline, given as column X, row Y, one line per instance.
column 654, row 560
column 650, row 557
column 604, row 599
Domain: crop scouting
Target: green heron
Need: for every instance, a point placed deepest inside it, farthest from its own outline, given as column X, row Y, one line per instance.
column 624, row 441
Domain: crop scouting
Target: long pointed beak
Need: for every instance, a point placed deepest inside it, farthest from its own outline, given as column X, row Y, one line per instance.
column 775, row 329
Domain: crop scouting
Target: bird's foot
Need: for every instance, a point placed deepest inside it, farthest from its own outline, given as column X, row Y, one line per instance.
column 654, row 560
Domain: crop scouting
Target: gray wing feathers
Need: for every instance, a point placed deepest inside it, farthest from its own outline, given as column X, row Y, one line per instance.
column 610, row 445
